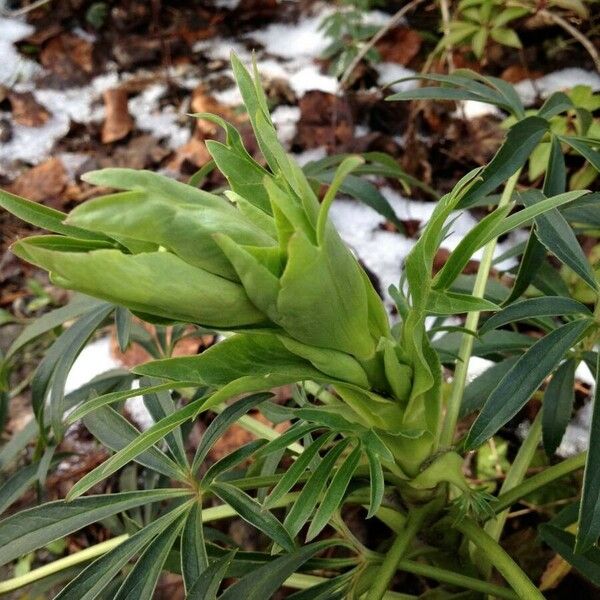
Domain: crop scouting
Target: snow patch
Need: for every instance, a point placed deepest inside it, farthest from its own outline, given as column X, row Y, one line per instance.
column 564, row 79
column 285, row 119
column 15, row 67
column 390, row 72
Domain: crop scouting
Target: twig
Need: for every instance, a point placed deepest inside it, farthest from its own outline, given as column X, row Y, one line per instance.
column 574, row 32
column 394, row 19
column 19, row 12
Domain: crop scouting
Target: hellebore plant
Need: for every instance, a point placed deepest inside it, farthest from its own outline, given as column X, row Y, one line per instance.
column 372, row 422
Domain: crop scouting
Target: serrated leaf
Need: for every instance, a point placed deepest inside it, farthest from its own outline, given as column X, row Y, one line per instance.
column 207, row 585
column 452, row 303
column 548, row 306
column 142, row 579
column 194, row 559
column 293, row 473
column 115, row 432
column 557, row 406
column 92, row 581
column 524, row 378
column 334, row 494
column 222, row 422
column 35, row 527
column 267, row 580
column 307, row 501
column 250, row 510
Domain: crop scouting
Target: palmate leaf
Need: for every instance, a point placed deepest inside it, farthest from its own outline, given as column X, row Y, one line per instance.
column 293, row 474
column 51, row 374
column 142, row 579
column 222, row 422
column 115, row 432
column 334, row 494
column 309, row 496
column 523, row 379
column 92, row 581
column 209, row 581
column 33, row 528
column 267, row 580
column 250, row 510
column 194, row 559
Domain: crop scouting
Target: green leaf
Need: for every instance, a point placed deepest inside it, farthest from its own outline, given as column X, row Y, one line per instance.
column 287, row 438
column 146, row 283
column 481, row 387
column 520, row 141
column 452, row 303
column 140, row 444
column 506, row 36
column 557, row 406
column 589, row 512
column 208, row 583
column 52, row 372
column 123, row 319
column 563, row 542
column 14, row 487
column 194, row 559
column 584, row 147
column 548, row 306
column 334, row 494
column 267, row 580
column 250, row 510
column 142, row 579
column 234, row 458
column 518, row 385
column 161, row 405
column 115, row 432
column 555, row 104
column 293, row 473
column 35, row 527
column 306, row 502
column 51, row 320
column 470, row 243
column 556, row 234
column 93, row 580
column 533, row 257
column 332, row 589
column 45, row 217
column 377, row 483
column 222, row 422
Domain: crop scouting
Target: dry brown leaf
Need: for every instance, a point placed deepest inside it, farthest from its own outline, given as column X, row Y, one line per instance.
column 118, row 123
column 26, row 111
column 46, row 180
column 556, row 570
column 400, row 45
column 189, row 156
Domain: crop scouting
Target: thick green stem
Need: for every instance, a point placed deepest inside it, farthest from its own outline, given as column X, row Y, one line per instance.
column 466, row 345
column 414, row 522
column 539, row 480
column 505, row 565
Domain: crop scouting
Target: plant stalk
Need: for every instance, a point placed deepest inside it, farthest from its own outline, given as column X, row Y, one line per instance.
column 466, row 345
column 385, row 573
column 507, row 567
column 540, row 480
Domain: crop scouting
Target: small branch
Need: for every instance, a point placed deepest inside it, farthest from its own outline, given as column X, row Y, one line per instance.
column 575, row 33
column 540, row 480
column 383, row 576
column 394, row 20
column 506, row 566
